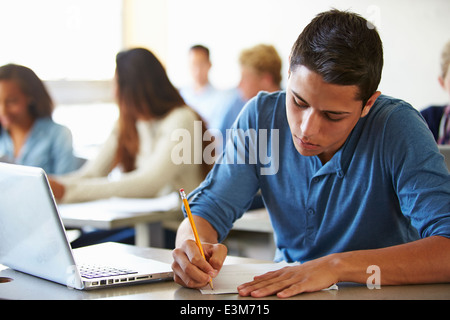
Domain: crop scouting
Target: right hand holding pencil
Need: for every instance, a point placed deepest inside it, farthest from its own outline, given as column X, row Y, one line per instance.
column 191, row 269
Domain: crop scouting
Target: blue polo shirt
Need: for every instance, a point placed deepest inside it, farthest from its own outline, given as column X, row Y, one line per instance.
column 387, row 185
column 48, row 146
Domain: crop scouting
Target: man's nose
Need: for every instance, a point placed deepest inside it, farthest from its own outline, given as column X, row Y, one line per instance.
column 310, row 122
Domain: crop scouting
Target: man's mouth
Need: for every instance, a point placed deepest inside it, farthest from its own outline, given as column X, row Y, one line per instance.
column 303, row 143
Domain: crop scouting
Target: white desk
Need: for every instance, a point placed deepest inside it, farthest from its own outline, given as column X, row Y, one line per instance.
column 145, row 215
column 147, row 223
column 255, row 220
column 28, row 287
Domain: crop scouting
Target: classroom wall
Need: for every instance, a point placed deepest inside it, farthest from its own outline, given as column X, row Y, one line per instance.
column 145, row 24
column 413, row 33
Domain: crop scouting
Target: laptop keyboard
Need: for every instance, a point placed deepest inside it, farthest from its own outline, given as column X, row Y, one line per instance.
column 94, row 271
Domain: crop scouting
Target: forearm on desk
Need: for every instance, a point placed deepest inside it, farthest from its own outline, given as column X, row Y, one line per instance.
column 206, row 232
column 422, row 261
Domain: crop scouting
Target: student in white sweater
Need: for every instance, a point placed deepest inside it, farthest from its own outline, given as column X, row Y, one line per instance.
column 135, row 161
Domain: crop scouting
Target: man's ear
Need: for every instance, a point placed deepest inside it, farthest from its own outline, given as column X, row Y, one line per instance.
column 370, row 103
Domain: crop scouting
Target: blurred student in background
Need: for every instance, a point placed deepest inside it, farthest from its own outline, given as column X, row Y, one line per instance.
column 135, row 161
column 201, row 95
column 438, row 117
column 28, row 135
column 260, row 71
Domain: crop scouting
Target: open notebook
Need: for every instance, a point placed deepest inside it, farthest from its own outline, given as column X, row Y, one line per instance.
column 233, row 275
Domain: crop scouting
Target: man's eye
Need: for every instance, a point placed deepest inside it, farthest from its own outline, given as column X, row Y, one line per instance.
column 333, row 117
column 300, row 104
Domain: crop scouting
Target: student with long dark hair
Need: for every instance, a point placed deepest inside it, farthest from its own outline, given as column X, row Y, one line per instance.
column 135, row 161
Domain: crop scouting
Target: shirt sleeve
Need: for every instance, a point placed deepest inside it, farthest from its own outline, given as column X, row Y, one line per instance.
column 229, row 188
column 64, row 160
column 420, row 176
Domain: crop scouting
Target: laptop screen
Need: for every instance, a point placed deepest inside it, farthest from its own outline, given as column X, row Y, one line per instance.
column 32, row 236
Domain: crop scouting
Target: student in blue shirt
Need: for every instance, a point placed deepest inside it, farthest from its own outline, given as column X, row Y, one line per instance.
column 201, row 95
column 28, row 135
column 351, row 178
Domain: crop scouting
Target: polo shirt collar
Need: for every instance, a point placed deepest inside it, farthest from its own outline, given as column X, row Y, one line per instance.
column 333, row 166
column 341, row 160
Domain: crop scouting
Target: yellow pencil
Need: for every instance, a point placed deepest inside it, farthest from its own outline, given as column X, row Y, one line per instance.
column 194, row 229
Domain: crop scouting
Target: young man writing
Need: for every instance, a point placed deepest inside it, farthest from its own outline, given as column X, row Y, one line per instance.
column 360, row 181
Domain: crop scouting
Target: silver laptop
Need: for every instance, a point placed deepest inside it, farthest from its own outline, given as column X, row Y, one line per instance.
column 33, row 239
column 445, row 150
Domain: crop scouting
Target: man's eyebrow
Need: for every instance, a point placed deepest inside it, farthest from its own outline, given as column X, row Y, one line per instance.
column 326, row 111
column 336, row 112
column 299, row 97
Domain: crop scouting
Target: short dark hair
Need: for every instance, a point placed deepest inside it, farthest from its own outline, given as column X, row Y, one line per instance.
column 202, row 48
column 343, row 48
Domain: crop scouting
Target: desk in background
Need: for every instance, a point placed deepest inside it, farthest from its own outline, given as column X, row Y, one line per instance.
column 148, row 217
column 251, row 235
column 254, row 220
column 144, row 215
